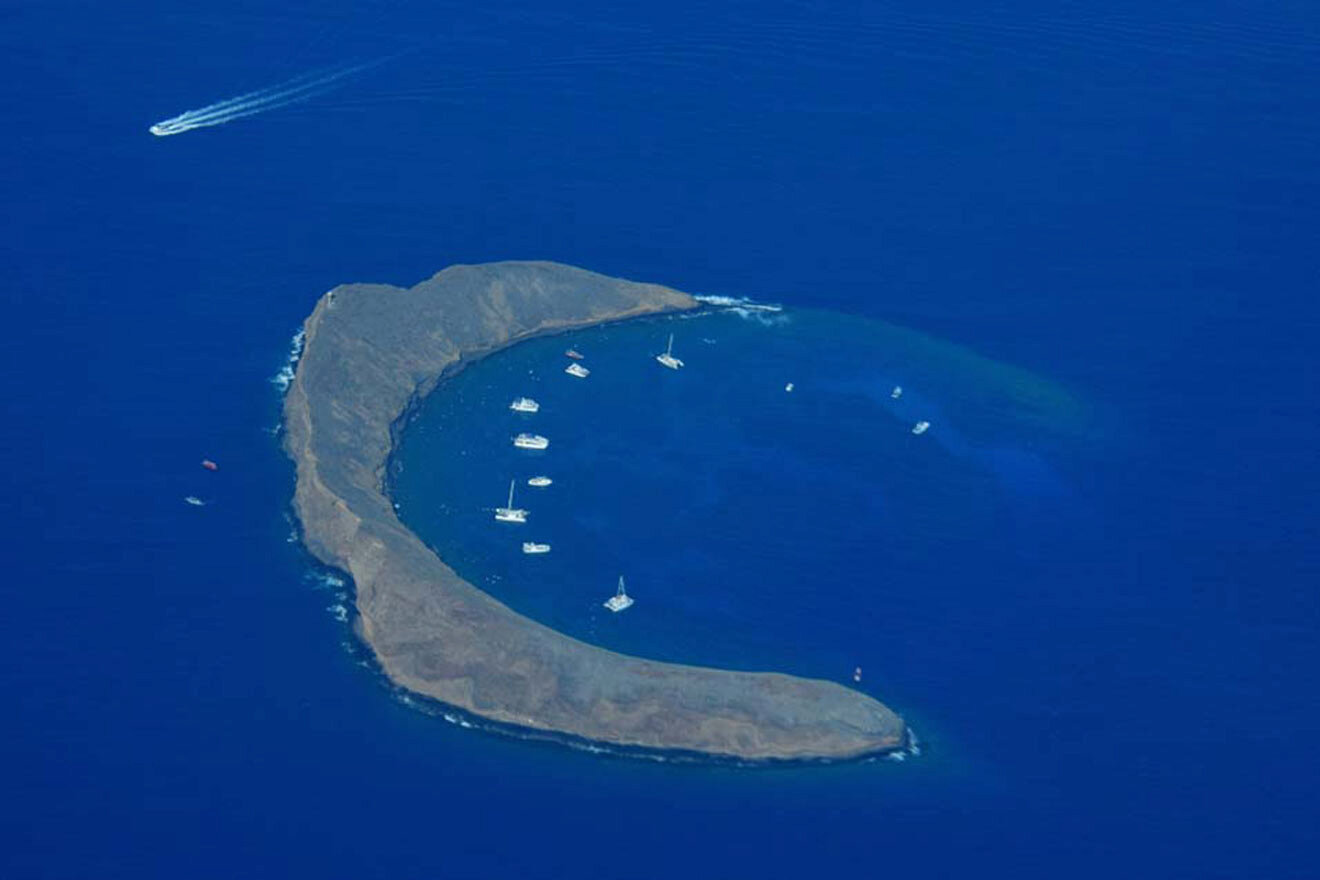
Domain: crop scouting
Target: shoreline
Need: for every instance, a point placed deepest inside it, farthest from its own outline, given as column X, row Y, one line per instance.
column 371, row 355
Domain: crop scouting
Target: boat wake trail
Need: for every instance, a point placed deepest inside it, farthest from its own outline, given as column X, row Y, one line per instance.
column 299, row 88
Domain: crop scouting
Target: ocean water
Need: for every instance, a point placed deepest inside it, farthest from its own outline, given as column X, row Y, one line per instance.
column 1090, row 587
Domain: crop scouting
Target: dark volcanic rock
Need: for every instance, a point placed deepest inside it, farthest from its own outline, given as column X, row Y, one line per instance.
column 370, row 351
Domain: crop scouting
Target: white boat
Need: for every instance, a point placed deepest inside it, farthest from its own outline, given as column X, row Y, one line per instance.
column 540, row 482
column 897, row 392
column 668, row 358
column 789, row 387
column 577, row 370
column 509, row 513
column 574, row 354
column 195, row 501
column 530, row 548
column 524, row 404
column 921, row 427
column 530, row 441
column 620, row 600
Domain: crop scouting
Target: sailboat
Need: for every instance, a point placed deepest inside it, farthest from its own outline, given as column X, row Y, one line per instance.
column 668, row 358
column 620, row 600
column 509, row 513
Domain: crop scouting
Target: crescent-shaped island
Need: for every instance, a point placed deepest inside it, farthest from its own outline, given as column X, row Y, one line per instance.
column 371, row 352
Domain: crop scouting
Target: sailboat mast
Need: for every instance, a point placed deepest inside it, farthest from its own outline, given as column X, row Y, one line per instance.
column 670, row 350
column 511, row 482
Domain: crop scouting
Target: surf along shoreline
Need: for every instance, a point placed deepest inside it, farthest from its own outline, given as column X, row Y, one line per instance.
column 371, row 354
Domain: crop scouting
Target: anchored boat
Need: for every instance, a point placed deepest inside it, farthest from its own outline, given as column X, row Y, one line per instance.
column 577, row 370
column 525, row 404
column 530, row 441
column 921, row 427
column 620, row 600
column 668, row 358
column 540, row 482
column 509, row 513
column 531, row 548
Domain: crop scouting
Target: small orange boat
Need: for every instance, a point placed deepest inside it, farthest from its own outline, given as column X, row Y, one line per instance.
column 210, row 465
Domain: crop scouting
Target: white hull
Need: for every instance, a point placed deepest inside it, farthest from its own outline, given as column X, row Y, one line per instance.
column 533, row 549
column 530, row 441
column 669, row 361
column 513, row 515
column 525, row 404
column 619, row 601
column 577, row 370
column 921, row 427
column 539, row 482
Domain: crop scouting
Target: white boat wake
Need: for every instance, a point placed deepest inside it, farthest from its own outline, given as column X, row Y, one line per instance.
column 299, row 88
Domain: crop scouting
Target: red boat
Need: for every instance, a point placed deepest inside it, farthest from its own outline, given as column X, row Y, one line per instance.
column 575, row 355
column 210, row 465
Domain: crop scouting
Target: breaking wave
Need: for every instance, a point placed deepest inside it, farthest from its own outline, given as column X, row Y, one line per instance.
column 284, row 377
column 762, row 313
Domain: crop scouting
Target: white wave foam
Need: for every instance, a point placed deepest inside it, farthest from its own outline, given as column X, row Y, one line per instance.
column 738, row 302
column 284, row 377
column 324, row 579
column 338, row 612
column 749, row 309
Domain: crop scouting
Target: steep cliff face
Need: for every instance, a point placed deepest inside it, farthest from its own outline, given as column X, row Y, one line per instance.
column 370, row 351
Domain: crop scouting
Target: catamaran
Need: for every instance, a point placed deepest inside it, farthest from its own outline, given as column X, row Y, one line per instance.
column 921, row 427
column 524, row 404
column 577, row 370
column 530, row 441
column 668, row 358
column 509, row 513
column 531, row 548
column 620, row 600
column 540, row 482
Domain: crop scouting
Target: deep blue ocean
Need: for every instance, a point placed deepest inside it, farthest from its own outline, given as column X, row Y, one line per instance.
column 1091, row 587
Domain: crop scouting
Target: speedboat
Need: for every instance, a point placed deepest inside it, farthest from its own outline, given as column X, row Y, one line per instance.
column 921, row 427
column 897, row 392
column 620, row 600
column 574, row 354
column 530, row 548
column 530, row 441
column 195, row 501
column 509, row 513
column 577, row 370
column 525, row 404
column 540, row 482
column 668, row 358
